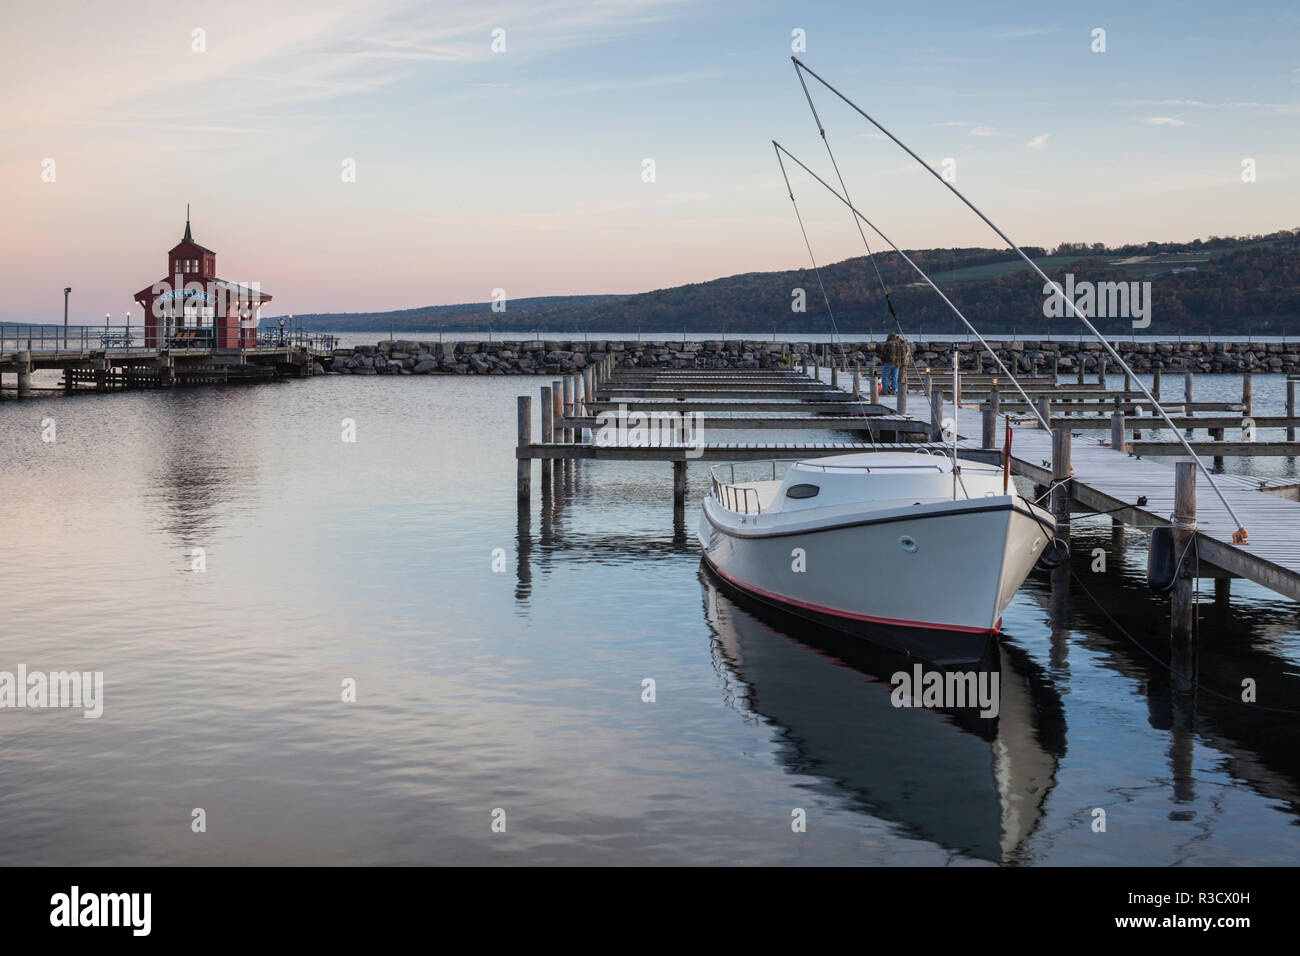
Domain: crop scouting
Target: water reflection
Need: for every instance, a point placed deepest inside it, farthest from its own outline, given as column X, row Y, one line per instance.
column 976, row 786
column 1192, row 688
column 199, row 464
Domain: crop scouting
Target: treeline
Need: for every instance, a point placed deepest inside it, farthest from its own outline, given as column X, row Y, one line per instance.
column 1246, row 284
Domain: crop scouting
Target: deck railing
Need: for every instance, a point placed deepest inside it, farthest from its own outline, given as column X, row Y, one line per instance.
column 87, row 338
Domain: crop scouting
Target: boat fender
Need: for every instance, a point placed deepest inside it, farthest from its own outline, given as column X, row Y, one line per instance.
column 1161, row 563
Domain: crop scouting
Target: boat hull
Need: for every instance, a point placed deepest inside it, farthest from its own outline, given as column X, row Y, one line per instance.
column 933, row 577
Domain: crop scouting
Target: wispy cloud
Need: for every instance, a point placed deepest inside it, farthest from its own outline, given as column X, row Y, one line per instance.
column 983, row 131
column 1012, row 33
column 1164, row 121
column 1039, row 141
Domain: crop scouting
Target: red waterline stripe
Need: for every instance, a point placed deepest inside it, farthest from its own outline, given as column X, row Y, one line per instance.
column 848, row 614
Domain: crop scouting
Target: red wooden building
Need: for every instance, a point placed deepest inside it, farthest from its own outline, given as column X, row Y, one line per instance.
column 193, row 308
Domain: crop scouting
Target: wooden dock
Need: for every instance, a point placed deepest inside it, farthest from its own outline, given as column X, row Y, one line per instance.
column 1124, row 481
column 111, row 368
column 1140, row 491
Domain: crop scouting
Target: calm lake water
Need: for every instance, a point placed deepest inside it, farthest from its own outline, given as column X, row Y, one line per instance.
column 521, row 688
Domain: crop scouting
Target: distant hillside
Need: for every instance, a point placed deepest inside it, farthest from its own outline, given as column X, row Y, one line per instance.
column 1219, row 285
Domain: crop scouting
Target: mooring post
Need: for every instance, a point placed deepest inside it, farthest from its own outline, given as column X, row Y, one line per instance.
column 548, row 431
column 995, row 399
column 873, row 385
column 1056, row 367
column 1248, row 392
column 1290, row 410
column 988, row 428
column 1155, row 384
column 1117, row 431
column 900, row 403
column 568, row 405
column 936, row 415
column 857, row 382
column 1182, row 609
column 1128, row 382
column 24, row 360
column 1082, row 361
column 589, row 387
column 979, row 363
column 1061, row 474
column 524, row 466
column 1045, row 410
column 1187, row 392
column 817, row 368
column 679, row 486
column 1101, row 372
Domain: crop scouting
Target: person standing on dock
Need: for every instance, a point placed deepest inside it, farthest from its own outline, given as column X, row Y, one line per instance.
column 889, row 357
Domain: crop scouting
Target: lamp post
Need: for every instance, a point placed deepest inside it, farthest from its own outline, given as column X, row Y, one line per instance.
column 65, row 316
column 281, row 320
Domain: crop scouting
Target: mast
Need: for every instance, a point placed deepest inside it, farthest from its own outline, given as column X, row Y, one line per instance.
column 1240, row 535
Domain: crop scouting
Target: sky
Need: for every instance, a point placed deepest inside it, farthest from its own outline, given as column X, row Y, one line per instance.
column 525, row 168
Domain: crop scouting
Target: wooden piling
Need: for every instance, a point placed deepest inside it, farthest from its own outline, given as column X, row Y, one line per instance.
column 568, row 405
column 1248, row 392
column 588, row 386
column 1045, row 410
column 900, row 403
column 1155, row 384
column 835, row 369
column 1117, row 441
column 1056, row 368
column 1081, row 364
column 988, row 428
column 1182, row 608
column 1290, row 411
column 995, row 399
column 679, row 486
column 548, row 429
column 1101, row 371
column 524, row 466
column 1061, row 473
column 857, row 382
column 24, row 360
column 873, row 385
column 936, row 414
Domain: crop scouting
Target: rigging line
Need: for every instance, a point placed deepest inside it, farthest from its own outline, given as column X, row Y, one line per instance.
column 827, row 143
column 871, row 435
column 1239, row 536
column 921, row 272
column 817, row 271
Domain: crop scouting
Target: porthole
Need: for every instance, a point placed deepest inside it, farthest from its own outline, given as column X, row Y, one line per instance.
column 802, row 491
column 907, row 543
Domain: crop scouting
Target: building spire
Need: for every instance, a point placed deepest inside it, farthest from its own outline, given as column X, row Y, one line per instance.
column 188, row 237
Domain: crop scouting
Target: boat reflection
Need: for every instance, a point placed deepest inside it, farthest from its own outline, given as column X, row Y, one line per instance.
column 973, row 785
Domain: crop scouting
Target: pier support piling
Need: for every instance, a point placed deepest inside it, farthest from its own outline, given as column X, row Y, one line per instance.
column 524, row 467
column 548, row 432
column 936, row 414
column 1061, row 473
column 1117, row 431
column 1045, row 410
column 1248, row 393
column 679, row 487
column 1290, row 411
column 988, row 428
column 1182, row 607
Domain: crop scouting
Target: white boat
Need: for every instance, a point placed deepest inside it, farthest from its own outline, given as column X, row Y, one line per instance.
column 877, row 541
